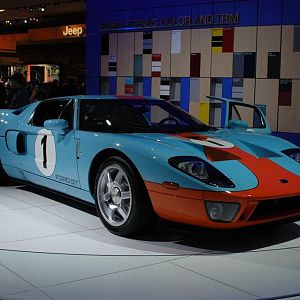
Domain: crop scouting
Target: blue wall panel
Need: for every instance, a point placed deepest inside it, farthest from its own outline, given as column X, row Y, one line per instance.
column 226, row 93
column 291, row 12
column 247, row 11
column 267, row 16
column 93, row 46
column 227, row 88
column 225, row 7
column 180, row 10
column 291, row 137
column 185, row 94
column 202, row 9
column 147, row 86
column 112, row 85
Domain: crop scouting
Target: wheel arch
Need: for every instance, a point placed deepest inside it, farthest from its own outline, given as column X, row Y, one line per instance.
column 100, row 157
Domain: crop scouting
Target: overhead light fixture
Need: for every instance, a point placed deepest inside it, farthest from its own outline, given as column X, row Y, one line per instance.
column 2, row 10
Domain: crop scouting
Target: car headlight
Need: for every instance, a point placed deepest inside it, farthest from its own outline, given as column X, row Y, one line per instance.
column 201, row 170
column 293, row 153
column 221, row 211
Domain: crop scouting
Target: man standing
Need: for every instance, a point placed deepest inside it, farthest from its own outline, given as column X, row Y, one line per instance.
column 20, row 96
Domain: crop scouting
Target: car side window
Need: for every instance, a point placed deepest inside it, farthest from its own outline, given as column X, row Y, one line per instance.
column 247, row 113
column 47, row 110
column 68, row 114
column 93, row 115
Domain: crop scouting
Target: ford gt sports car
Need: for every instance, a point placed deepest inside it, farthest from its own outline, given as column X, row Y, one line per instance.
column 138, row 157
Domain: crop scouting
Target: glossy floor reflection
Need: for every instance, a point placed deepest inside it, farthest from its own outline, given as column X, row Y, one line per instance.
column 55, row 248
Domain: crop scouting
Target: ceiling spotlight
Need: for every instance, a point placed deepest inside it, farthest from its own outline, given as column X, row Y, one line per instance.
column 2, row 10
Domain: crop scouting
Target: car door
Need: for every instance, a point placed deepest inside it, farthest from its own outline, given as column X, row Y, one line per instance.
column 51, row 154
column 246, row 116
column 234, row 114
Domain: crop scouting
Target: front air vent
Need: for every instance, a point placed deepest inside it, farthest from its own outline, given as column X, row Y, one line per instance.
column 268, row 208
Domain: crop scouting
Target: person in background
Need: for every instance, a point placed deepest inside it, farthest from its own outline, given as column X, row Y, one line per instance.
column 20, row 96
column 39, row 92
column 54, row 89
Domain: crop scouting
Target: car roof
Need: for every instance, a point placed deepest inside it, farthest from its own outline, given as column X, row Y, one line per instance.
column 105, row 97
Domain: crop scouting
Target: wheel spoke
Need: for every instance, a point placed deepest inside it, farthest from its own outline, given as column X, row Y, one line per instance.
column 125, row 195
column 114, row 195
column 122, row 212
column 109, row 213
column 118, row 178
column 109, row 177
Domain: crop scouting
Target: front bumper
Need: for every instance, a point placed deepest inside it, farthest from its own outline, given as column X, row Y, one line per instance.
column 256, row 207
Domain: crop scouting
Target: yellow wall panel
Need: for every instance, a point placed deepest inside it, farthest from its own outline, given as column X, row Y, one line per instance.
column 155, row 88
column 201, row 42
column 204, row 112
column 217, row 49
column 162, row 45
column 138, row 43
column 289, row 120
column 120, row 85
column 221, row 65
column 147, row 60
column 113, row 44
column 125, row 59
column 268, row 40
column 180, row 63
column 266, row 92
column 245, row 39
column 217, row 32
column 290, row 61
column 104, row 65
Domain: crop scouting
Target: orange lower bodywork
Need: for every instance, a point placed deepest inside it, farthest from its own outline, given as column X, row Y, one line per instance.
column 187, row 206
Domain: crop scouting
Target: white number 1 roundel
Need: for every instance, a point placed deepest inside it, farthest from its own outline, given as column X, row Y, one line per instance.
column 45, row 155
column 215, row 143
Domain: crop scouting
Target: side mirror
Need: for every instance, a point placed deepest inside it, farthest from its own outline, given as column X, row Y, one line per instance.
column 238, row 124
column 57, row 125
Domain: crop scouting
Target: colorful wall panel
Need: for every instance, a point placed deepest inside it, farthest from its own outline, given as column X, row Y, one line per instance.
column 162, row 45
column 201, row 40
column 288, row 116
column 245, row 39
column 125, row 54
column 266, row 93
column 180, row 53
column 255, row 64
column 268, row 40
column 290, row 60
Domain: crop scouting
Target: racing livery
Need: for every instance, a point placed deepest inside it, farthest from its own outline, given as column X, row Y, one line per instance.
column 139, row 157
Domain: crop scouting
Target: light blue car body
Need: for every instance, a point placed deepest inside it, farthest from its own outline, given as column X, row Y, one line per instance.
column 76, row 150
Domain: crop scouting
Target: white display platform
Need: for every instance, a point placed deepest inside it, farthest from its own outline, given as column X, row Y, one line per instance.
column 50, row 250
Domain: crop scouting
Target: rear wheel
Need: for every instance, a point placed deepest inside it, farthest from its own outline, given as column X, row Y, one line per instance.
column 122, row 202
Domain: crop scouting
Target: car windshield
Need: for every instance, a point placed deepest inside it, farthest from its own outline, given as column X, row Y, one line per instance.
column 136, row 115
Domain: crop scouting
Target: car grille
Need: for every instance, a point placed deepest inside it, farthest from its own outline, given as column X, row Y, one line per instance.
column 281, row 206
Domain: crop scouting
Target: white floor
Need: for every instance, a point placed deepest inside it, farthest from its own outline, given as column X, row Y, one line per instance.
column 50, row 250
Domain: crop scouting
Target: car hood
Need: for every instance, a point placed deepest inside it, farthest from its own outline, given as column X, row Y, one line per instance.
column 245, row 157
column 258, row 145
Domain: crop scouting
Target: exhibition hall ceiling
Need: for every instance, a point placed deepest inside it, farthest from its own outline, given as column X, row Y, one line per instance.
column 31, row 11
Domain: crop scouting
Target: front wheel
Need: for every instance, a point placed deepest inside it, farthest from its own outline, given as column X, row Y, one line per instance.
column 122, row 202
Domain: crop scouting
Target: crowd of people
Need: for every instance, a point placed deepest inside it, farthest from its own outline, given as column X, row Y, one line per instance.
column 17, row 92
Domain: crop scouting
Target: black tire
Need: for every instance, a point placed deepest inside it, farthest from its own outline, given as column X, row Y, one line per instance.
column 121, row 198
column 3, row 176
